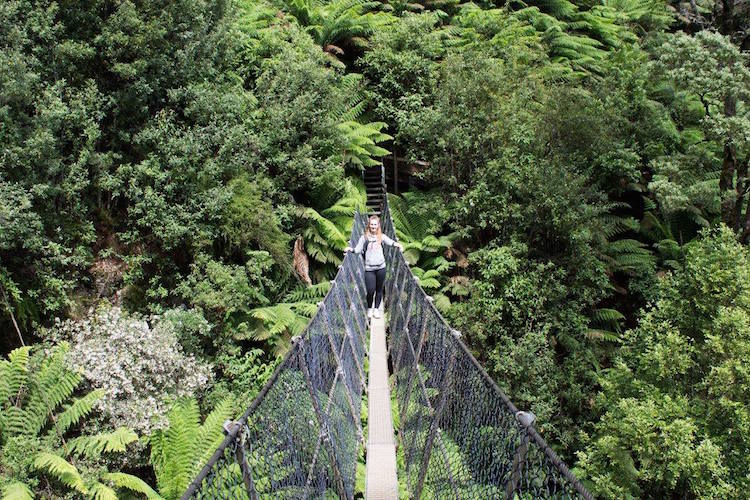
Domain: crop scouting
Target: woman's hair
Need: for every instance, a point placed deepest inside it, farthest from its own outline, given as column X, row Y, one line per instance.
column 379, row 234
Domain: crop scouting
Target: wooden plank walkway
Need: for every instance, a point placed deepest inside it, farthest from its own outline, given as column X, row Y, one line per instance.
column 382, row 482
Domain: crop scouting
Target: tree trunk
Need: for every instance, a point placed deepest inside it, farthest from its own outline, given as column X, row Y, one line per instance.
column 742, row 187
column 728, row 168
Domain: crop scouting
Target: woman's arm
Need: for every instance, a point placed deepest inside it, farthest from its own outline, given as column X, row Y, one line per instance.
column 388, row 241
column 358, row 248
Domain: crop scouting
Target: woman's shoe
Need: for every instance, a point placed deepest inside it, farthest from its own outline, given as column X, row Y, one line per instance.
column 377, row 313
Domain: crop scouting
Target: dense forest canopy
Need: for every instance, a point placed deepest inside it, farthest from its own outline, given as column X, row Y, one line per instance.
column 177, row 180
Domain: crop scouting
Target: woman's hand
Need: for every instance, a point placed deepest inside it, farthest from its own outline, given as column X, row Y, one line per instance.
column 399, row 246
column 347, row 249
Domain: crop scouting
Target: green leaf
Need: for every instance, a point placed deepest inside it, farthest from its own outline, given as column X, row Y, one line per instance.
column 61, row 469
column 132, row 483
column 16, row 490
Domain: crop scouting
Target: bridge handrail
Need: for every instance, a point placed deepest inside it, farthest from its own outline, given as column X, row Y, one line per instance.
column 327, row 359
column 527, row 435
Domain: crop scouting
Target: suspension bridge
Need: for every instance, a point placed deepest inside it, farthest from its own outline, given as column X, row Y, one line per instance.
column 457, row 434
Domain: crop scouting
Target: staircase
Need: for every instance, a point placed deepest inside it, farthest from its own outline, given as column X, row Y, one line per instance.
column 374, row 179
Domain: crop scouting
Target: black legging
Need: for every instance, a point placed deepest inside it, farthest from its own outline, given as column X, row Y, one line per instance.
column 374, row 281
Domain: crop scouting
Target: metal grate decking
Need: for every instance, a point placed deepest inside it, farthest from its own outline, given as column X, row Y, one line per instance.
column 381, row 448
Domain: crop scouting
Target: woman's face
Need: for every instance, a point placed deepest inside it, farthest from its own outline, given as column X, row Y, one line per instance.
column 374, row 226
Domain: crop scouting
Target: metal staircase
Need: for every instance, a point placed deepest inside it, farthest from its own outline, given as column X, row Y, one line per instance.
column 374, row 179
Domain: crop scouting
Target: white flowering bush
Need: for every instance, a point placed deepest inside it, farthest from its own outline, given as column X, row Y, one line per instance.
column 138, row 362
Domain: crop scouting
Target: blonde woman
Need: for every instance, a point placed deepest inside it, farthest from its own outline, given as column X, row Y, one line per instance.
column 370, row 244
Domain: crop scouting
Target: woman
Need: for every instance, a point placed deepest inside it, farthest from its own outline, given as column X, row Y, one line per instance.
column 371, row 243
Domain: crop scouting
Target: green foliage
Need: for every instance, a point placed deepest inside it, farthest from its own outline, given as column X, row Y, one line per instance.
column 180, row 451
column 250, row 220
column 337, row 23
column 94, row 446
column 277, row 324
column 572, row 151
column 326, row 234
column 360, row 147
column 243, row 375
column 675, row 401
column 38, row 411
column 713, row 73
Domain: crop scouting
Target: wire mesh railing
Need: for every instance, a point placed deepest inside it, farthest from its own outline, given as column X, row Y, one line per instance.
column 300, row 437
column 461, row 436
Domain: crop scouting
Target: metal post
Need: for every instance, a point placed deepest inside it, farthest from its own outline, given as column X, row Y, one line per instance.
column 239, row 455
column 519, row 457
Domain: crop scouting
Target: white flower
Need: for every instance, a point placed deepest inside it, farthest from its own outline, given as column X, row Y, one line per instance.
column 140, row 366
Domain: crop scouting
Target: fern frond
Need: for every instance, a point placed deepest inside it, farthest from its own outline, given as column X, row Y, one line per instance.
column 605, row 335
column 93, row 446
column 305, row 309
column 211, row 433
column 442, row 302
column 607, row 315
column 132, row 483
column 310, row 293
column 61, row 469
column 13, row 372
column 80, row 408
column 16, row 490
column 101, row 491
column 173, row 450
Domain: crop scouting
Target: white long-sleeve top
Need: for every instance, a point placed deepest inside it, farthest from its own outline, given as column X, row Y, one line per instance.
column 374, row 258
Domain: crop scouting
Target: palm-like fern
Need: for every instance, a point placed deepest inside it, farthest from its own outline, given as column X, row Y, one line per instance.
column 361, row 140
column 327, row 233
column 416, row 231
column 337, row 23
column 324, row 240
column 621, row 255
column 179, row 452
column 277, row 324
column 416, row 227
column 36, row 398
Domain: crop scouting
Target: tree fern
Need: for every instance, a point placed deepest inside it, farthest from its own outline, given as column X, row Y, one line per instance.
column 277, row 324
column 360, row 143
column 37, row 402
column 179, row 452
column 335, row 23
column 94, row 446
column 327, row 233
column 16, row 490
column 62, row 470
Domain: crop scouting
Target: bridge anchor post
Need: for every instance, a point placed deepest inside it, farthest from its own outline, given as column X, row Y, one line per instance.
column 526, row 419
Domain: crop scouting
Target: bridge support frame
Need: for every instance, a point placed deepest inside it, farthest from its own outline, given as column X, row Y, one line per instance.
column 239, row 455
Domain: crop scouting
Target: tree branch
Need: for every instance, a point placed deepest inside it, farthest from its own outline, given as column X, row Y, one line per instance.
column 12, row 316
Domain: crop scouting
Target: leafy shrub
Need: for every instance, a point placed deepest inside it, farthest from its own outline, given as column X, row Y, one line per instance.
column 137, row 362
column 179, row 451
column 38, row 413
